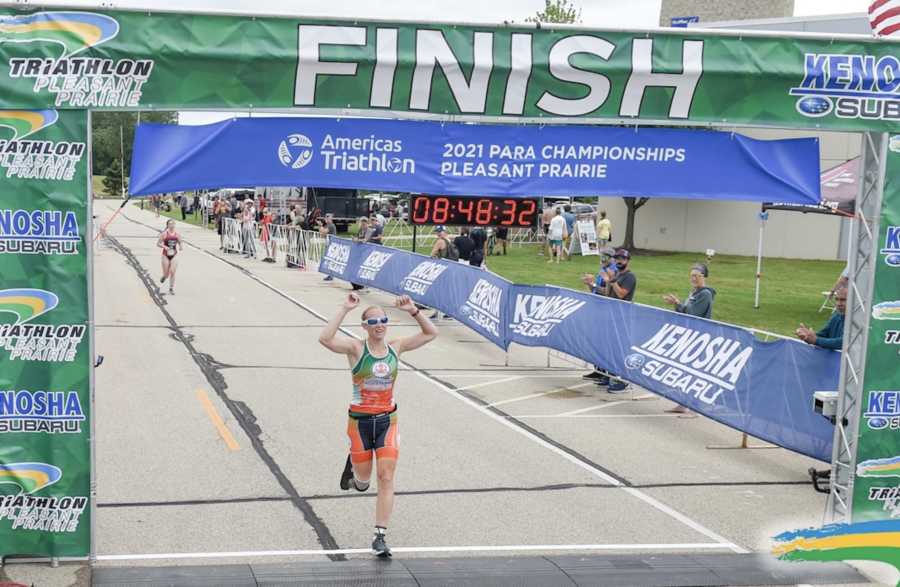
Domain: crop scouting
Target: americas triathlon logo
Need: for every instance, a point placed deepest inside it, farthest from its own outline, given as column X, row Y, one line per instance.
column 373, row 264
column 27, row 158
column 26, row 511
column 296, row 151
column 535, row 316
column 74, row 81
column 849, row 86
column 20, row 340
column 39, row 232
column 692, row 362
column 483, row 306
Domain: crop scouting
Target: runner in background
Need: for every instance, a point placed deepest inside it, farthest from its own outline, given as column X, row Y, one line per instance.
column 170, row 243
column 372, row 426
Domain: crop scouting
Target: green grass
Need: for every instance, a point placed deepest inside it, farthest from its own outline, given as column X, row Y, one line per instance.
column 790, row 292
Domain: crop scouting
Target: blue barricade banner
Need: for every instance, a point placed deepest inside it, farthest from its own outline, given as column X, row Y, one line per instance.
column 723, row 372
column 475, row 297
column 470, row 159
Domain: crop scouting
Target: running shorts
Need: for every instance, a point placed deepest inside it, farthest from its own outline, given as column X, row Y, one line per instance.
column 368, row 434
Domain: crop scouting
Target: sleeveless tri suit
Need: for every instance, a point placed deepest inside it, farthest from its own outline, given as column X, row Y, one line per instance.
column 373, row 413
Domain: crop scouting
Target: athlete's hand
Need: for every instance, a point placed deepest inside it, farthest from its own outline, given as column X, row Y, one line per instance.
column 351, row 302
column 405, row 303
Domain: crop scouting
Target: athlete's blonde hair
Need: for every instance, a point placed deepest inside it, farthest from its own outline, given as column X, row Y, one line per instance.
column 365, row 313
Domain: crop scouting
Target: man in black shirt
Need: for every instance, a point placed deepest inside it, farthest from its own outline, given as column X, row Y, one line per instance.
column 479, row 237
column 464, row 244
column 622, row 284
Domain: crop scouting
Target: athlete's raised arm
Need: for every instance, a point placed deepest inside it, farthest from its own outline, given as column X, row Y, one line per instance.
column 429, row 330
column 328, row 337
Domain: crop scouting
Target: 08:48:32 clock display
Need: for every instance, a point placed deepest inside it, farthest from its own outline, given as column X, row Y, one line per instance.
column 473, row 211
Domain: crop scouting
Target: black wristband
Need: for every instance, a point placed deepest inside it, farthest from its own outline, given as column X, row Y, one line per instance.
column 416, row 313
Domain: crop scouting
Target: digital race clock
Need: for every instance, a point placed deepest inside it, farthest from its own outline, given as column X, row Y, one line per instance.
column 473, row 211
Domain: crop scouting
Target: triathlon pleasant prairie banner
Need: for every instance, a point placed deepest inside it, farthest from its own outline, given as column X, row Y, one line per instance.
column 485, row 159
column 45, row 357
column 876, row 489
column 116, row 59
column 718, row 370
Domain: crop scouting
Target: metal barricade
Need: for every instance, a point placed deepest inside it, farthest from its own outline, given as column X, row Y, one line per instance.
column 231, row 235
column 303, row 248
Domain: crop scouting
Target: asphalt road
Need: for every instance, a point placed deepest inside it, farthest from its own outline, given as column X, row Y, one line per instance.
column 221, row 433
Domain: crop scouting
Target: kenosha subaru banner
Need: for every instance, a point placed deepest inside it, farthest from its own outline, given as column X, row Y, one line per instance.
column 876, row 494
column 721, row 371
column 117, row 59
column 45, row 350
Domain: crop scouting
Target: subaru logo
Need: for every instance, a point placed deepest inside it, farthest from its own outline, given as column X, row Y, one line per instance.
column 295, row 151
column 893, row 260
column 634, row 361
column 877, row 423
column 814, row 106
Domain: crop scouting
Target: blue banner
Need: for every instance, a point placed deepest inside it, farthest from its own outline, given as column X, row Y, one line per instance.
column 723, row 372
column 477, row 298
column 470, row 159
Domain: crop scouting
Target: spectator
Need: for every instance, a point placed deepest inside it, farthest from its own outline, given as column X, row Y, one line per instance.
column 622, row 285
column 265, row 236
column 221, row 210
column 546, row 219
column 376, row 230
column 443, row 249
column 502, row 237
column 379, row 218
column 296, row 216
column 604, row 230
column 195, row 207
column 841, row 283
column 362, row 236
column 183, row 204
column 700, row 301
column 832, row 335
column 465, row 245
column 597, row 284
column 327, row 229
column 480, row 238
column 569, row 240
column 247, row 229
column 556, row 234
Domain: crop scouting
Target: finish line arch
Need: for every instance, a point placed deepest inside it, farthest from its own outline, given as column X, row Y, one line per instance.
column 58, row 65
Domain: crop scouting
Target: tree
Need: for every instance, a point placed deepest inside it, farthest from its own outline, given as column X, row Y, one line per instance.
column 633, row 204
column 112, row 183
column 557, row 11
column 113, row 132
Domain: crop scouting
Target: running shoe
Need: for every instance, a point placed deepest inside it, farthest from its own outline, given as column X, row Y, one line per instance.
column 171, row 291
column 593, row 375
column 603, row 380
column 618, row 386
column 380, row 547
column 329, row 278
column 347, row 475
column 435, row 316
column 162, row 279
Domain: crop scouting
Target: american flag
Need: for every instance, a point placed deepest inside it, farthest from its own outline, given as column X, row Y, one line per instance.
column 884, row 18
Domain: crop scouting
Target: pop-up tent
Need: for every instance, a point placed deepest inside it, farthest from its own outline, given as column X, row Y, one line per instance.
column 839, row 187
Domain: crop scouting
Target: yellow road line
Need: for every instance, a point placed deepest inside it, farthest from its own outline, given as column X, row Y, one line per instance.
column 217, row 420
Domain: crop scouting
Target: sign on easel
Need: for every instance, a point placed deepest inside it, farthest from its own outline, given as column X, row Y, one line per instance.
column 586, row 233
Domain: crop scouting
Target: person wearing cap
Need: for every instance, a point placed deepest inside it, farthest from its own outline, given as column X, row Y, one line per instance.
column 622, row 284
column 597, row 284
column 604, row 229
column 442, row 249
column 700, row 301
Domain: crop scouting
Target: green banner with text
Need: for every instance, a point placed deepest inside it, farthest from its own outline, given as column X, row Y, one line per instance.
column 45, row 360
column 876, row 490
column 121, row 60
